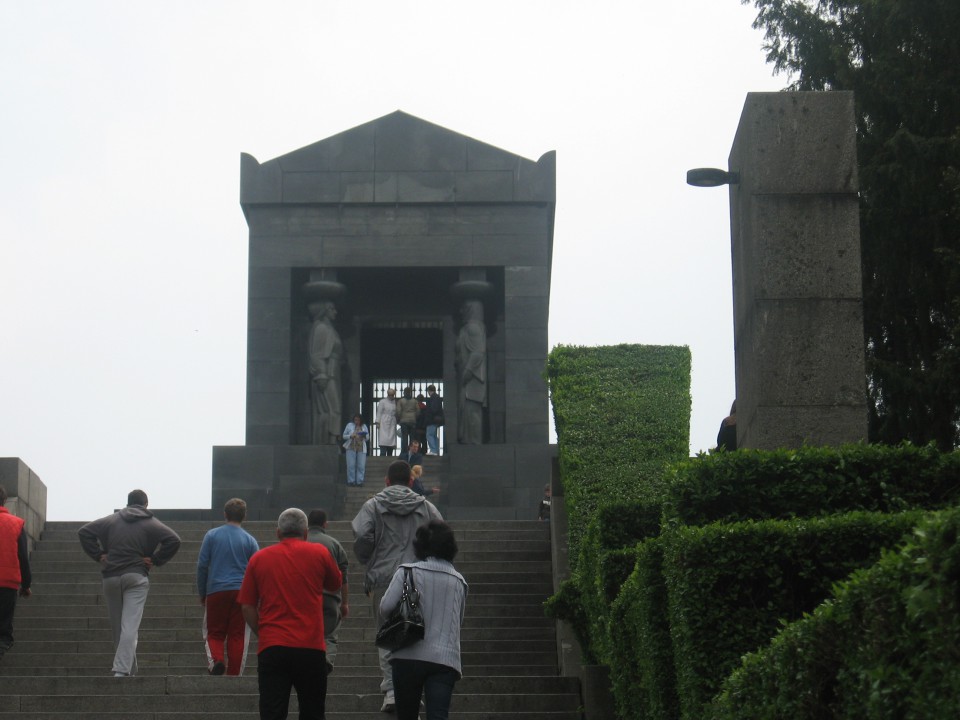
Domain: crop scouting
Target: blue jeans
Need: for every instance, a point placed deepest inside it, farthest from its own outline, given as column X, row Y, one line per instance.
column 356, row 467
column 413, row 678
column 433, row 444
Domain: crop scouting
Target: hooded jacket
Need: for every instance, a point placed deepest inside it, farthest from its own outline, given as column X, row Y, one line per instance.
column 126, row 537
column 384, row 530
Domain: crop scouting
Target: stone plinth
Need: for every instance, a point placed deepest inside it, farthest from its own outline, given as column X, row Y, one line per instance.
column 26, row 496
column 798, row 304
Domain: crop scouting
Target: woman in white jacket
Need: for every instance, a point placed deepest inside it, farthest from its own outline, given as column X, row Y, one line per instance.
column 429, row 667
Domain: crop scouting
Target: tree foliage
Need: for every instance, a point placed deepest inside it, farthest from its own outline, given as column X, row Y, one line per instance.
column 901, row 58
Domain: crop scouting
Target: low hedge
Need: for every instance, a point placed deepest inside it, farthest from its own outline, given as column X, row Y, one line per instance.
column 885, row 647
column 731, row 586
column 641, row 666
column 755, row 485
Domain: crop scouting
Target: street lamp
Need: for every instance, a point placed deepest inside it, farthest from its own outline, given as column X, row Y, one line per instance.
column 711, row 177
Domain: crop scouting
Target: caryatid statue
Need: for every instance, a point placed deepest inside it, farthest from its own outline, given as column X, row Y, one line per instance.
column 325, row 350
column 471, row 373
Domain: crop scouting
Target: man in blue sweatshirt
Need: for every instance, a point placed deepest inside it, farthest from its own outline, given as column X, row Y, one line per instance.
column 223, row 559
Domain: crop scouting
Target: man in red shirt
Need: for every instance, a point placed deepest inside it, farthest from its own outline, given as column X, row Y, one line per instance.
column 282, row 601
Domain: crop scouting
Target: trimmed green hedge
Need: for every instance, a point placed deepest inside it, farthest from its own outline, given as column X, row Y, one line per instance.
column 732, row 586
column 622, row 415
column 641, row 667
column 888, row 646
column 755, row 485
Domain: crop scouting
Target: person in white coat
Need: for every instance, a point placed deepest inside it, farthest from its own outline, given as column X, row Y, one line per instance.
column 387, row 423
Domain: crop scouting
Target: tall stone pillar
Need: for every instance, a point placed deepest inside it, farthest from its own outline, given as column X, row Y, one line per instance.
column 797, row 292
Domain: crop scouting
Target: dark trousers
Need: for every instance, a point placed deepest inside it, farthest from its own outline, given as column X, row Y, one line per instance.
column 8, row 603
column 281, row 668
column 413, row 678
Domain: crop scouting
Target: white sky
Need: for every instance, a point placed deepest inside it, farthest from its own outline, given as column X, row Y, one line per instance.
column 123, row 248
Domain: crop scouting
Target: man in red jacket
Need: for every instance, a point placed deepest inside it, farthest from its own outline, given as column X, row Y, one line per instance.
column 15, row 574
column 282, row 601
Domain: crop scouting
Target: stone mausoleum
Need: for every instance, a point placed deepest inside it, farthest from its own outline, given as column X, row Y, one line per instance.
column 396, row 253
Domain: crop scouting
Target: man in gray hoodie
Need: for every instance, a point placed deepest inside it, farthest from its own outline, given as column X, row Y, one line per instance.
column 127, row 544
column 384, row 530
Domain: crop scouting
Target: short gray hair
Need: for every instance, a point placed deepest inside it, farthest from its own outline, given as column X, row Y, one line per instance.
column 292, row 522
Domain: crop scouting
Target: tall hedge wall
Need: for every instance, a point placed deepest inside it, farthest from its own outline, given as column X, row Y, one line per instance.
column 622, row 415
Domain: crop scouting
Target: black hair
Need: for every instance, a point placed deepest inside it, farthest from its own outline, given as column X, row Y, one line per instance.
column 398, row 473
column 137, row 497
column 317, row 517
column 435, row 539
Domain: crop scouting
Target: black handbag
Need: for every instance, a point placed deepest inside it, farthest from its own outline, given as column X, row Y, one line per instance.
column 404, row 626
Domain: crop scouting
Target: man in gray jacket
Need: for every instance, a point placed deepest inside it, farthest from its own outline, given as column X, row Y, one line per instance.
column 384, row 530
column 127, row 544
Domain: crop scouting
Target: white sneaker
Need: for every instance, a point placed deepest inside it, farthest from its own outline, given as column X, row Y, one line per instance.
column 389, row 705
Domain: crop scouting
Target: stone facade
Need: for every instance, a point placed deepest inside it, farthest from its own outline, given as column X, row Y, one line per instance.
column 26, row 496
column 396, row 212
column 798, row 305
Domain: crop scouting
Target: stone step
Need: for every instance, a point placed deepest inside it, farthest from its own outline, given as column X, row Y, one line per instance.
column 338, row 528
column 571, row 714
column 371, row 671
column 89, row 629
column 515, row 594
column 191, row 546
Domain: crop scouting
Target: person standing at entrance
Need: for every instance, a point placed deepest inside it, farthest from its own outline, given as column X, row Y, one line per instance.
column 434, row 415
column 15, row 577
column 355, row 443
column 127, row 545
column 407, row 411
column 387, row 423
column 224, row 554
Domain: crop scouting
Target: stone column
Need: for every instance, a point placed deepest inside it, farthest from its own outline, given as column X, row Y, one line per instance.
column 798, row 303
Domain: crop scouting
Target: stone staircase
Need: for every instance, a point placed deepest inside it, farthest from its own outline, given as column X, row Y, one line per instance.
column 60, row 665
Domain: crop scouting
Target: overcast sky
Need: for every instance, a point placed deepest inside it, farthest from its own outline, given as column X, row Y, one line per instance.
column 123, row 250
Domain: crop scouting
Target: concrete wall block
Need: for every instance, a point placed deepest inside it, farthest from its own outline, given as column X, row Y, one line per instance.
column 268, row 377
column 481, row 156
column 306, row 492
column 259, row 501
column 260, row 183
column 287, row 252
column 15, row 477
column 529, row 432
column 267, row 434
column 492, row 219
column 526, row 312
column 804, row 246
column 797, row 142
column 265, row 408
column 534, row 464
column 426, row 187
column 249, row 467
column 526, row 343
column 527, row 280
column 527, row 407
column 791, row 426
column 482, row 459
column 477, row 489
column 538, row 181
column 358, row 187
column 37, row 494
column 406, row 143
column 496, row 366
column 807, row 352
column 268, row 282
column 517, row 249
column 268, row 313
column 387, row 251
column 311, row 187
column 268, row 344
column 385, row 187
column 349, row 150
column 526, row 376
column 484, row 186
column 309, row 460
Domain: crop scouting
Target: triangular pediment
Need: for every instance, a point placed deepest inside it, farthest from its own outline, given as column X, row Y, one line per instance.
column 398, row 158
